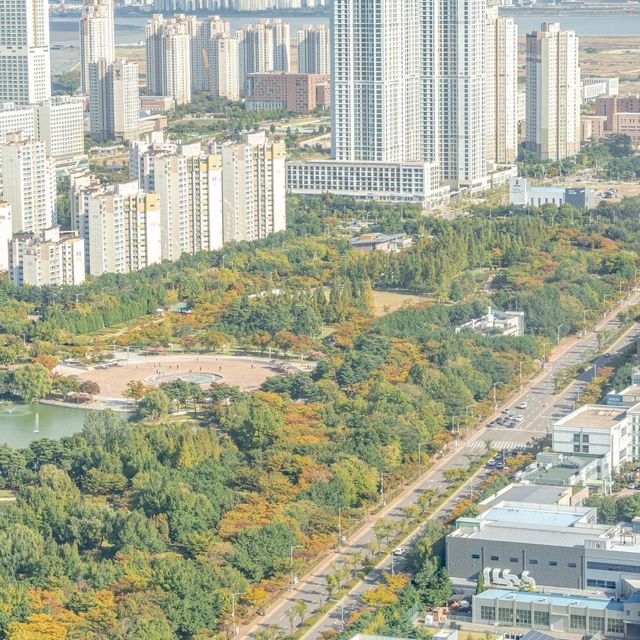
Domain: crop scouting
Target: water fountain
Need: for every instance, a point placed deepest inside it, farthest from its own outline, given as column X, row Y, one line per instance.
column 36, row 428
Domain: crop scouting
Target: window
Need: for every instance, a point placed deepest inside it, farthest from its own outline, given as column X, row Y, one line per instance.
column 553, row 563
column 540, row 618
column 585, row 438
column 505, row 614
column 513, row 559
column 495, row 558
column 486, row 613
column 578, row 622
column 576, row 448
column 576, row 437
column 596, row 624
column 533, row 561
column 612, row 566
column 572, row 565
column 475, row 556
column 615, row 626
column 523, row 616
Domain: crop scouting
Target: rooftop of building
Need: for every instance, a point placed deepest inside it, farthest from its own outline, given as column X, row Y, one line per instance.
column 594, row 416
column 548, row 515
column 527, row 493
column 369, row 238
column 556, row 475
column 557, row 599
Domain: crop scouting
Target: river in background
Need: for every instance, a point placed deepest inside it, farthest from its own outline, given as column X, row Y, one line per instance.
column 130, row 29
column 21, row 424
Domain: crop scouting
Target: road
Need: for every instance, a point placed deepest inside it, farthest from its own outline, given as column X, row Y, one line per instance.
column 542, row 406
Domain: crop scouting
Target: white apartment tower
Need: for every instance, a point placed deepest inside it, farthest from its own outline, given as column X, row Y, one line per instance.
column 124, row 100
column 123, row 229
column 224, row 79
column 553, row 93
column 377, row 80
column 96, row 38
column 28, row 183
column 168, row 54
column 51, row 257
column 189, row 185
column 501, row 89
column 314, row 49
column 25, row 67
column 253, row 188
column 461, row 92
column 265, row 47
column 203, row 41
column 60, row 125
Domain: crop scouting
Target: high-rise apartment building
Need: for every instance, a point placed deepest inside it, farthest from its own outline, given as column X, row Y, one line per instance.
column 25, row 67
column 314, row 49
column 60, row 125
column 224, row 69
column 501, row 92
column 97, row 39
column 206, row 33
column 553, row 93
column 265, row 47
column 124, row 100
column 462, row 93
column 123, row 229
column 50, row 257
column 168, row 54
column 14, row 119
column 6, row 231
column 28, row 183
column 189, row 185
column 253, row 188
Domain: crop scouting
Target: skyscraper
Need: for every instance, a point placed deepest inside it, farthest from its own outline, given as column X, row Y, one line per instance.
column 265, row 47
column 25, row 67
column 553, row 93
column 314, row 49
column 168, row 53
column 501, row 89
column 96, row 38
column 253, row 188
column 203, row 42
column 28, row 183
column 377, row 80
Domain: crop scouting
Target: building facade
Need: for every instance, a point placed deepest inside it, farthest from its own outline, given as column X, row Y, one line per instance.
column 6, row 231
column 97, row 38
column 314, row 49
column 25, row 66
column 60, row 125
column 295, row 92
column 51, row 257
column 553, row 93
column 28, row 183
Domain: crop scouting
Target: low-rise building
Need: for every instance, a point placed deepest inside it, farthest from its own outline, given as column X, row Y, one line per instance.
column 592, row 128
column 157, row 104
column 60, row 125
column 523, row 193
column 592, row 88
column 297, row 92
column 503, row 323
column 622, row 115
column 387, row 243
column 52, row 257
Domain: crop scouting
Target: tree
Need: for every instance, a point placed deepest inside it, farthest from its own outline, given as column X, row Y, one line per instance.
column 300, row 608
column 154, row 405
column 135, row 389
column 31, row 382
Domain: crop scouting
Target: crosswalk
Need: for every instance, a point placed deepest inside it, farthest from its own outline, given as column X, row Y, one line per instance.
column 496, row 444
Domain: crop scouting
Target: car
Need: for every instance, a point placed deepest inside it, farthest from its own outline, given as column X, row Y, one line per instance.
column 400, row 551
column 500, row 465
column 519, row 418
column 506, row 411
column 523, row 405
column 495, row 423
column 491, row 463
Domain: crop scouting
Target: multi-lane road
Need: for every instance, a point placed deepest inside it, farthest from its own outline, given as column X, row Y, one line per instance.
column 542, row 408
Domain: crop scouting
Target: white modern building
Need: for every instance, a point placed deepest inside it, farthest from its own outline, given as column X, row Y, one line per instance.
column 265, row 47
column 28, row 183
column 124, row 100
column 314, row 49
column 124, row 229
column 553, row 93
column 51, row 257
column 593, row 88
column 25, row 67
column 168, row 55
column 6, row 231
column 60, row 125
column 501, row 104
column 224, row 68
column 253, row 188
column 14, row 119
column 189, row 186
column 97, row 38
column 82, row 185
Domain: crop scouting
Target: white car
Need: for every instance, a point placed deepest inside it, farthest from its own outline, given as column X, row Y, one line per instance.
column 519, row 418
column 523, row 405
column 400, row 551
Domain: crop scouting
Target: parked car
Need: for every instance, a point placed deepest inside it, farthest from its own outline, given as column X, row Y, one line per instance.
column 523, row 405
column 400, row 551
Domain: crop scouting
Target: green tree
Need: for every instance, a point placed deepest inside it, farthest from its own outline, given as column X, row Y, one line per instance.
column 31, row 382
column 154, row 405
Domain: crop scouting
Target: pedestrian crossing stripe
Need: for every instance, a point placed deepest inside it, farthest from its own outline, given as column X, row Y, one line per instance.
column 496, row 444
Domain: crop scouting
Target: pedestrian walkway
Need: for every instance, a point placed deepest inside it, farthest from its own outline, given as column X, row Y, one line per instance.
column 496, row 444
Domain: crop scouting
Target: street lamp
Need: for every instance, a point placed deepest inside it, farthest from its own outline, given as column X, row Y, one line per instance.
column 495, row 399
column 295, row 546
column 382, row 475
column 595, row 371
column 236, row 628
column 341, row 602
column 520, row 365
column 558, row 329
column 420, row 452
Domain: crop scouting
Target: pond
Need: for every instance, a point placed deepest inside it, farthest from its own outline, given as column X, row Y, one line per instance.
column 21, row 424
